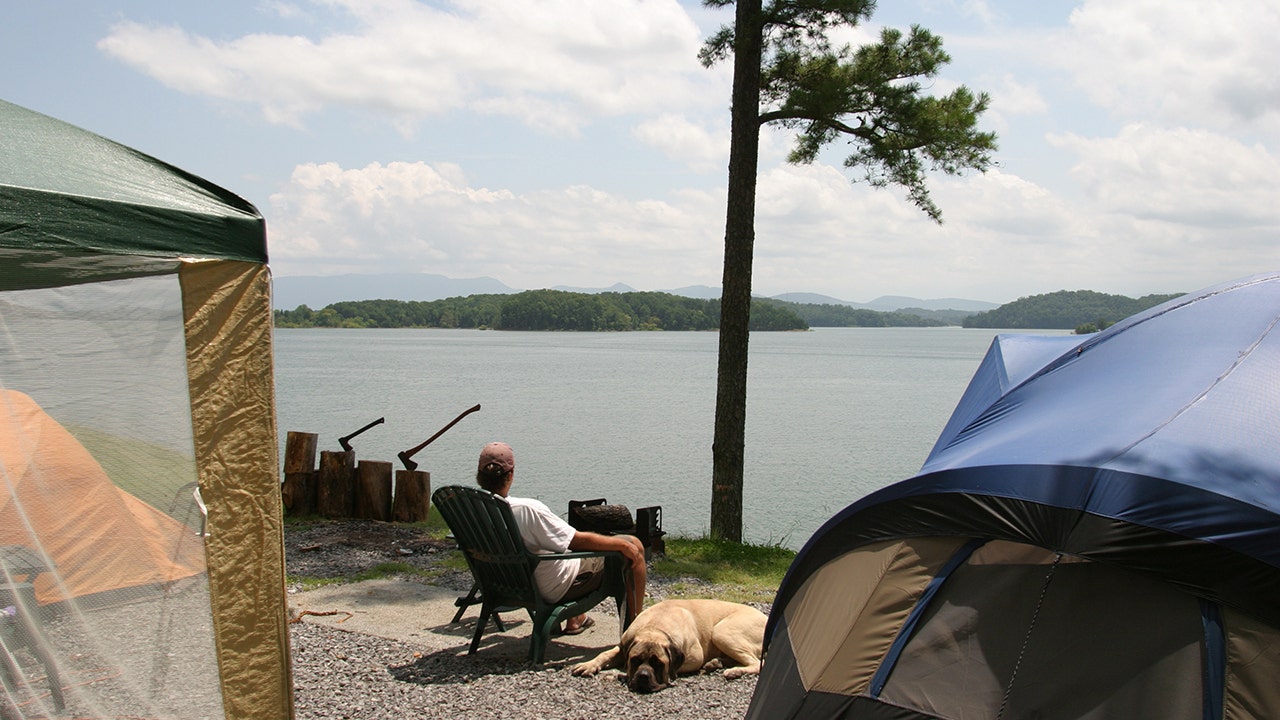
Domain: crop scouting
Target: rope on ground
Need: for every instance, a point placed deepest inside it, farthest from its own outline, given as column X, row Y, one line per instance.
column 304, row 613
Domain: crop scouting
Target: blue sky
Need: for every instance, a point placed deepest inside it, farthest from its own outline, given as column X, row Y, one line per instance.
column 579, row 142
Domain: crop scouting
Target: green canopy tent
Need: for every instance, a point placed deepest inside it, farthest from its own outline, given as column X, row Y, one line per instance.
column 135, row 311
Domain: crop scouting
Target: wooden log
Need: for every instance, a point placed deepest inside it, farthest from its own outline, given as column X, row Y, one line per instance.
column 413, row 496
column 373, row 490
column 300, row 452
column 334, row 490
column 299, row 493
column 603, row 518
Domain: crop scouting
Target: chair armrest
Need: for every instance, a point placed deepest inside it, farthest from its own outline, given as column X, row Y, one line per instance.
column 576, row 554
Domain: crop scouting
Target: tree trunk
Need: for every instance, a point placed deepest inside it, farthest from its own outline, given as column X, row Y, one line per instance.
column 413, row 496
column 300, row 452
column 373, row 490
column 334, row 494
column 298, row 493
column 729, row 441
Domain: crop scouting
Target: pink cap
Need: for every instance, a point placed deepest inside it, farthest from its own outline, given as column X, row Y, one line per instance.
column 499, row 454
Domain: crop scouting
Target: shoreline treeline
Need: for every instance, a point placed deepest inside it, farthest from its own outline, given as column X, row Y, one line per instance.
column 538, row 310
column 610, row 311
column 1083, row 310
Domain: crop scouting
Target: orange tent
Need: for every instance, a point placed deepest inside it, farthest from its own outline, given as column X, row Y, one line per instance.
column 112, row 540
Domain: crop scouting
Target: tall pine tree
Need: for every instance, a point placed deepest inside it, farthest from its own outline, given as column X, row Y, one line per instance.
column 786, row 71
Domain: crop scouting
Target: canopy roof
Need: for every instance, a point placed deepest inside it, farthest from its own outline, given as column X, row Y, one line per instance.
column 74, row 204
column 1154, row 445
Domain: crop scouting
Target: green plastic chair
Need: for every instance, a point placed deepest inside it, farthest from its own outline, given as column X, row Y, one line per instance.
column 487, row 534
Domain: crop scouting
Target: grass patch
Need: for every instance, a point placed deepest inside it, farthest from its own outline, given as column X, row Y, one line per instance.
column 740, row 572
column 377, row 572
column 435, row 524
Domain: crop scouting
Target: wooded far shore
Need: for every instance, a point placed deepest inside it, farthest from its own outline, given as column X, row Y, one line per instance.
column 1082, row 310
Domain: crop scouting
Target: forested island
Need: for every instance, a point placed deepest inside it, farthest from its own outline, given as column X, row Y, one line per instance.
column 610, row 311
column 1081, row 310
column 540, row 310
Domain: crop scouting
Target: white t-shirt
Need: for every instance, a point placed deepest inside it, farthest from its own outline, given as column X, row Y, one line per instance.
column 544, row 533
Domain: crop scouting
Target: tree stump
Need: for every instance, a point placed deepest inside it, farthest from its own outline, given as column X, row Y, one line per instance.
column 373, row 490
column 413, row 496
column 334, row 494
column 298, row 493
column 300, row 452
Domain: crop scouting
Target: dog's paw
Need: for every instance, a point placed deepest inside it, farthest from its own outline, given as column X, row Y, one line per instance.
column 734, row 673
column 712, row 665
column 586, row 669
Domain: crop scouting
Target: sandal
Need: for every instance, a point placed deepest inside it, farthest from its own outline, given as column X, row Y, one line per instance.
column 589, row 622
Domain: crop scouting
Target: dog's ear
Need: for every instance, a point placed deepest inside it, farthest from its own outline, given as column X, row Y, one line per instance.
column 676, row 657
column 625, row 647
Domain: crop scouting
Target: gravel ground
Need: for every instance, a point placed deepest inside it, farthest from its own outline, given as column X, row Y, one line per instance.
column 340, row 674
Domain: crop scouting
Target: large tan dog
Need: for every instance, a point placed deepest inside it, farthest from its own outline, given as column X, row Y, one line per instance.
column 676, row 636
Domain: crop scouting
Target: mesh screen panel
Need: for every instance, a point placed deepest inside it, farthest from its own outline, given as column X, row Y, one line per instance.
column 104, row 591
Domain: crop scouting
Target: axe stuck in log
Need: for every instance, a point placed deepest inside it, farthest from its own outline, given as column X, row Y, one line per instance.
column 407, row 454
column 345, row 440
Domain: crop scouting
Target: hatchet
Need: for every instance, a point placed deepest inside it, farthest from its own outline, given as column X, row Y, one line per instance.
column 345, row 440
column 404, row 456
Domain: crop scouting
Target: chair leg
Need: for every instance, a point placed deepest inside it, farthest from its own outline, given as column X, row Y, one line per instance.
column 51, row 674
column 9, row 674
column 465, row 602
column 540, row 637
column 485, row 612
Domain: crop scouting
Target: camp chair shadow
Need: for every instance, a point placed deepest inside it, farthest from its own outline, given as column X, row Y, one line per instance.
column 486, row 533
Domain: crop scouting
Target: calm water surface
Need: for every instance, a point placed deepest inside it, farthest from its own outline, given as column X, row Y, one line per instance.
column 832, row 414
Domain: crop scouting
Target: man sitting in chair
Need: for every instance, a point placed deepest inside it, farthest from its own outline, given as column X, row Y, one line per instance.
column 544, row 532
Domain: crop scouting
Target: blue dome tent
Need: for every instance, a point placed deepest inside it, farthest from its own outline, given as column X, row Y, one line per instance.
column 1096, row 534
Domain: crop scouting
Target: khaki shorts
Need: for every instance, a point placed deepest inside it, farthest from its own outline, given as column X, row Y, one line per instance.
column 590, row 576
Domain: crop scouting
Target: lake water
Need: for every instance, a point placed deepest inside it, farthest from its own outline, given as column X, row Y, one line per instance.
column 832, row 414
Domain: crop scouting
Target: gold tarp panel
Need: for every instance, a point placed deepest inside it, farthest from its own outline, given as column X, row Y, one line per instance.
column 227, row 311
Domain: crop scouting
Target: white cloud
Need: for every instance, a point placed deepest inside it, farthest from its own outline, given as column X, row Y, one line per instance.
column 1188, row 63
column 1173, row 191
column 1189, row 177
column 818, row 231
column 1014, row 97
column 679, row 139
column 415, row 217
column 1131, row 231
column 555, row 64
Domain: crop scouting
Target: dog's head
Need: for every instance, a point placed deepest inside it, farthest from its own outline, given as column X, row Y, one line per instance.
column 652, row 662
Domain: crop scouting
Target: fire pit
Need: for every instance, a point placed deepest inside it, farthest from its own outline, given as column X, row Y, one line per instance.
column 599, row 516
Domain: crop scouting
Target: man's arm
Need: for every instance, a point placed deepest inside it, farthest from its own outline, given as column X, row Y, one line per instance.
column 632, row 551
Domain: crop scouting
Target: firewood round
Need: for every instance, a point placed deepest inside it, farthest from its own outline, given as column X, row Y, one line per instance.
column 605, row 518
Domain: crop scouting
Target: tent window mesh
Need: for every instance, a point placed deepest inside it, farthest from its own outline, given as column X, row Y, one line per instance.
column 104, row 601
column 1095, row 643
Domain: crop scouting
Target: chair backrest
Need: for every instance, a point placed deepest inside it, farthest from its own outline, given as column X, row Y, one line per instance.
column 487, row 534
